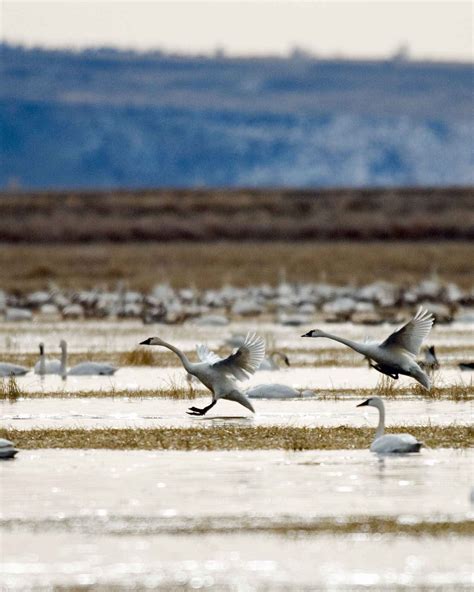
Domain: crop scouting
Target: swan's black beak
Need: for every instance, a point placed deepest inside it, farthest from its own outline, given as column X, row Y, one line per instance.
column 364, row 403
column 146, row 342
column 287, row 361
column 308, row 334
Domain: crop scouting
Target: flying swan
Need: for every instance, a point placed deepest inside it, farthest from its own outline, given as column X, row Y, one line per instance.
column 390, row 443
column 397, row 354
column 219, row 375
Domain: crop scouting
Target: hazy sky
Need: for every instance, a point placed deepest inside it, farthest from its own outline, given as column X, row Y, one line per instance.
column 431, row 29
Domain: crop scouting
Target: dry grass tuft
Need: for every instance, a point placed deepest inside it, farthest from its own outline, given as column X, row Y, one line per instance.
column 230, row 437
column 138, row 357
column 9, row 390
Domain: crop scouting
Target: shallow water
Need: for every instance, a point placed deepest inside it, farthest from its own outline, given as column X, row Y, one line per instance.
column 182, row 520
column 235, row 562
column 173, row 486
column 153, row 412
column 165, row 518
column 149, row 378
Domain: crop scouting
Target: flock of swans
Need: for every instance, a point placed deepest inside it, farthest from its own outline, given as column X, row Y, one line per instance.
column 46, row 366
column 395, row 356
column 288, row 303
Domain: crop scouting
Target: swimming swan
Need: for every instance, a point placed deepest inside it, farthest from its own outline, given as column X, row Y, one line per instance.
column 7, row 369
column 47, row 366
column 85, row 368
column 220, row 375
column 390, row 443
column 396, row 355
column 269, row 362
column 272, row 391
column 7, row 449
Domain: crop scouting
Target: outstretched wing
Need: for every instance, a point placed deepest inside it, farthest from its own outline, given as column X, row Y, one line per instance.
column 243, row 362
column 206, row 355
column 411, row 336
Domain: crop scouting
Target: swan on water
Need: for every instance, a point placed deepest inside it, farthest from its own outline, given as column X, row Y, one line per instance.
column 272, row 391
column 86, row 368
column 389, row 443
column 270, row 362
column 7, row 369
column 219, row 375
column 7, row 449
column 397, row 354
column 45, row 366
column 48, row 366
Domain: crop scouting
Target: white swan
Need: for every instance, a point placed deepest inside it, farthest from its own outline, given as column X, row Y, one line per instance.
column 85, row 368
column 270, row 363
column 390, row 443
column 7, row 369
column 272, row 391
column 7, row 449
column 48, row 366
column 220, row 375
column 396, row 355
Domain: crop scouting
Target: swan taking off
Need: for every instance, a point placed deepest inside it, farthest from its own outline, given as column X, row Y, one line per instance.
column 390, row 443
column 397, row 354
column 219, row 375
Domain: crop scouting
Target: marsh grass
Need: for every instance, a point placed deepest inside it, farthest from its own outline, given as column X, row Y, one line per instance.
column 9, row 389
column 221, row 437
column 139, row 356
column 175, row 390
column 244, row 524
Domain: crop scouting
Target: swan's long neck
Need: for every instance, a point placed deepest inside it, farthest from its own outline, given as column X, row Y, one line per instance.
column 381, row 426
column 63, row 368
column 42, row 361
column 184, row 360
column 362, row 348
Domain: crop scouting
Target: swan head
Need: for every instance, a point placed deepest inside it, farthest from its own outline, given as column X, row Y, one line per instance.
column 152, row 341
column 62, row 344
column 372, row 402
column 314, row 333
column 41, row 348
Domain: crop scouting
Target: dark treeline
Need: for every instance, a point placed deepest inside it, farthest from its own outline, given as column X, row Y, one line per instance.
column 245, row 214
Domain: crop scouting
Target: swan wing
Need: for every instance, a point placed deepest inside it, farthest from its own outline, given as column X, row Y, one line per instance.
column 243, row 362
column 411, row 336
column 206, row 355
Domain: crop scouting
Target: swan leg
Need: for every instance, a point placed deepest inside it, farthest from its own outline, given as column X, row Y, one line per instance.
column 203, row 411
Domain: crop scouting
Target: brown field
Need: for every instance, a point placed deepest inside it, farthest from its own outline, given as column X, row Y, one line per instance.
column 210, row 265
column 240, row 214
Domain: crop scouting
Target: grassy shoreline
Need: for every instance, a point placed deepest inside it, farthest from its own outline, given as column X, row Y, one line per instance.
column 212, row 437
column 288, row 525
column 10, row 391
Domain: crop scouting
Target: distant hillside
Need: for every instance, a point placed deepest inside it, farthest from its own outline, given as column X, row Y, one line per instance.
column 168, row 215
column 107, row 118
